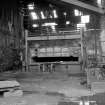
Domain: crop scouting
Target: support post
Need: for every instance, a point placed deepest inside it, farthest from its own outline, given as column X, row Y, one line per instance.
column 95, row 49
column 83, row 50
column 26, row 50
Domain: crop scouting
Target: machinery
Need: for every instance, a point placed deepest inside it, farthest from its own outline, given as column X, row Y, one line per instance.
column 73, row 52
column 48, row 50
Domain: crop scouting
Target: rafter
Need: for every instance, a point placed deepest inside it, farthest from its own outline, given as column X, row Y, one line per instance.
column 84, row 5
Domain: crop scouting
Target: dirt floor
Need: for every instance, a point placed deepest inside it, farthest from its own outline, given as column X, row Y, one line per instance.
column 51, row 89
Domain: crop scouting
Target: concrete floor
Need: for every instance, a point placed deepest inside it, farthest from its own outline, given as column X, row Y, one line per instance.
column 47, row 89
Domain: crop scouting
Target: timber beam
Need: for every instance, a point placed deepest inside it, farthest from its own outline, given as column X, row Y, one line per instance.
column 85, row 5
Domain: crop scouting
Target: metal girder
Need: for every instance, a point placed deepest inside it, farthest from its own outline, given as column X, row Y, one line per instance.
column 84, row 5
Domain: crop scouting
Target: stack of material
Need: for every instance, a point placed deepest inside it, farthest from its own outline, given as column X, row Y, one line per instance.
column 10, row 88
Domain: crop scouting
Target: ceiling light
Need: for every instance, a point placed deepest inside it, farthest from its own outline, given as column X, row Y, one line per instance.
column 78, row 13
column 65, row 13
column 34, row 15
column 99, row 2
column 42, row 15
column 35, row 25
column 67, row 22
column 55, row 14
column 31, row 6
column 51, row 16
column 85, row 19
column 49, row 24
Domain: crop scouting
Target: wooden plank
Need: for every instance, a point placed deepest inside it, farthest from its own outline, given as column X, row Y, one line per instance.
column 84, row 5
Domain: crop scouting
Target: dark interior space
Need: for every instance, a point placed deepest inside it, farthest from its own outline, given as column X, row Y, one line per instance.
column 54, row 59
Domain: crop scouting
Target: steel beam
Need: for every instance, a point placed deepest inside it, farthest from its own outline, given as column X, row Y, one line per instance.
column 84, row 5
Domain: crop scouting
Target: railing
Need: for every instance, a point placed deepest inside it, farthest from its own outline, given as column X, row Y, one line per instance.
column 49, row 32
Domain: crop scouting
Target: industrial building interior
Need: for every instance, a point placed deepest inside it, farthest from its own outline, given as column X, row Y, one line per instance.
column 52, row 52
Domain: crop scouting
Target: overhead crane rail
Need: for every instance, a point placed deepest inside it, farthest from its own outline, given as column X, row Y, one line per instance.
column 60, row 31
column 54, row 35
